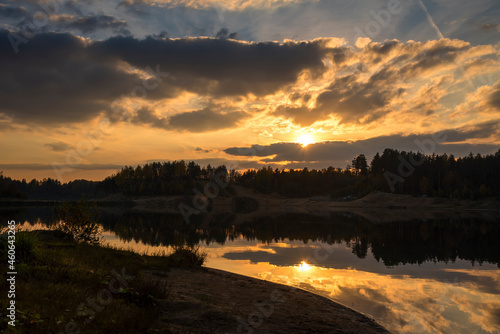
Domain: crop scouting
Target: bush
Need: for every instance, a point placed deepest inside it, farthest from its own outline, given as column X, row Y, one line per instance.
column 79, row 220
column 188, row 256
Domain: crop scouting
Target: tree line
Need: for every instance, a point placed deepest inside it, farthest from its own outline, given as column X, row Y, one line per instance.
column 469, row 177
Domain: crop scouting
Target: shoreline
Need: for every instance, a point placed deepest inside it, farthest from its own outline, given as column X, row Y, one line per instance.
column 208, row 300
column 164, row 294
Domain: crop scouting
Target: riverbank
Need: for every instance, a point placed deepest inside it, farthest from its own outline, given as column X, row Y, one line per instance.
column 62, row 286
column 207, row 300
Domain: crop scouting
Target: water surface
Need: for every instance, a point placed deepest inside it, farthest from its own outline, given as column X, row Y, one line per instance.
column 438, row 275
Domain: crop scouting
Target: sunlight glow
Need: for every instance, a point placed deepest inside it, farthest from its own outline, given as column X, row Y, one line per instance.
column 305, row 140
column 304, row 266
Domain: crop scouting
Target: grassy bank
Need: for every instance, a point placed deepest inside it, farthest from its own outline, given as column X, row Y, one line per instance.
column 9, row 203
column 66, row 287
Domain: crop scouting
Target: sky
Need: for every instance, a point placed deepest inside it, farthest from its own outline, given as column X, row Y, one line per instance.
column 87, row 87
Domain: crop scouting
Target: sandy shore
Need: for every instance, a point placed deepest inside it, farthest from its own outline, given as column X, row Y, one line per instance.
column 213, row 301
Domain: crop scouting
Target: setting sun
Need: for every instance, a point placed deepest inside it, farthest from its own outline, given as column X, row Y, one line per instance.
column 303, row 266
column 305, row 140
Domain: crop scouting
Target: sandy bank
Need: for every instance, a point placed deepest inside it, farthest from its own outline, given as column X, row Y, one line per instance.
column 376, row 207
column 212, row 301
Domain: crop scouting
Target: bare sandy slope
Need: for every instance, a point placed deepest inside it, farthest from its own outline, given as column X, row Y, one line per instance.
column 377, row 207
column 213, row 301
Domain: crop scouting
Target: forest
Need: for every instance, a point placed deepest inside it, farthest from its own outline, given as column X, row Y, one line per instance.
column 470, row 177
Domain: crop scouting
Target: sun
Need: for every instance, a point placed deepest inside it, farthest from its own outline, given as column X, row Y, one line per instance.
column 304, row 266
column 305, row 140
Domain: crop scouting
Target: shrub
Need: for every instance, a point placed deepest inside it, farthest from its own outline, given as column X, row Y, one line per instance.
column 80, row 220
column 188, row 256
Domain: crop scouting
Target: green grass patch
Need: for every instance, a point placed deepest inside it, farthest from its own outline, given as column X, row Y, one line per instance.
column 67, row 287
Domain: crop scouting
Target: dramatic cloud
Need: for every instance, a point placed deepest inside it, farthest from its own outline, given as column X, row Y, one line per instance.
column 219, row 67
column 55, row 80
column 69, row 79
column 77, row 79
column 382, row 74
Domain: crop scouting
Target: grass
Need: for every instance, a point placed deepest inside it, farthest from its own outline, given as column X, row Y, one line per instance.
column 26, row 246
column 63, row 286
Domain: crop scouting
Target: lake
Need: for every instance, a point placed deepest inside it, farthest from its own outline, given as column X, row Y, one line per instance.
column 413, row 275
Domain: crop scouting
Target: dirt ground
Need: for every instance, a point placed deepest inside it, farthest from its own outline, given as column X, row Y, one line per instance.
column 212, row 301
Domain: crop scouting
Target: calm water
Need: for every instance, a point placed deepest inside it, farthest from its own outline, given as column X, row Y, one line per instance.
column 438, row 275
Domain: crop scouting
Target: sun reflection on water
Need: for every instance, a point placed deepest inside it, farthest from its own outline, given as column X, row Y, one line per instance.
column 428, row 300
column 303, row 266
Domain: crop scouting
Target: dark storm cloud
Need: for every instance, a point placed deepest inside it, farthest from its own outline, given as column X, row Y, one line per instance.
column 54, row 79
column 59, row 78
column 339, row 152
column 227, row 67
